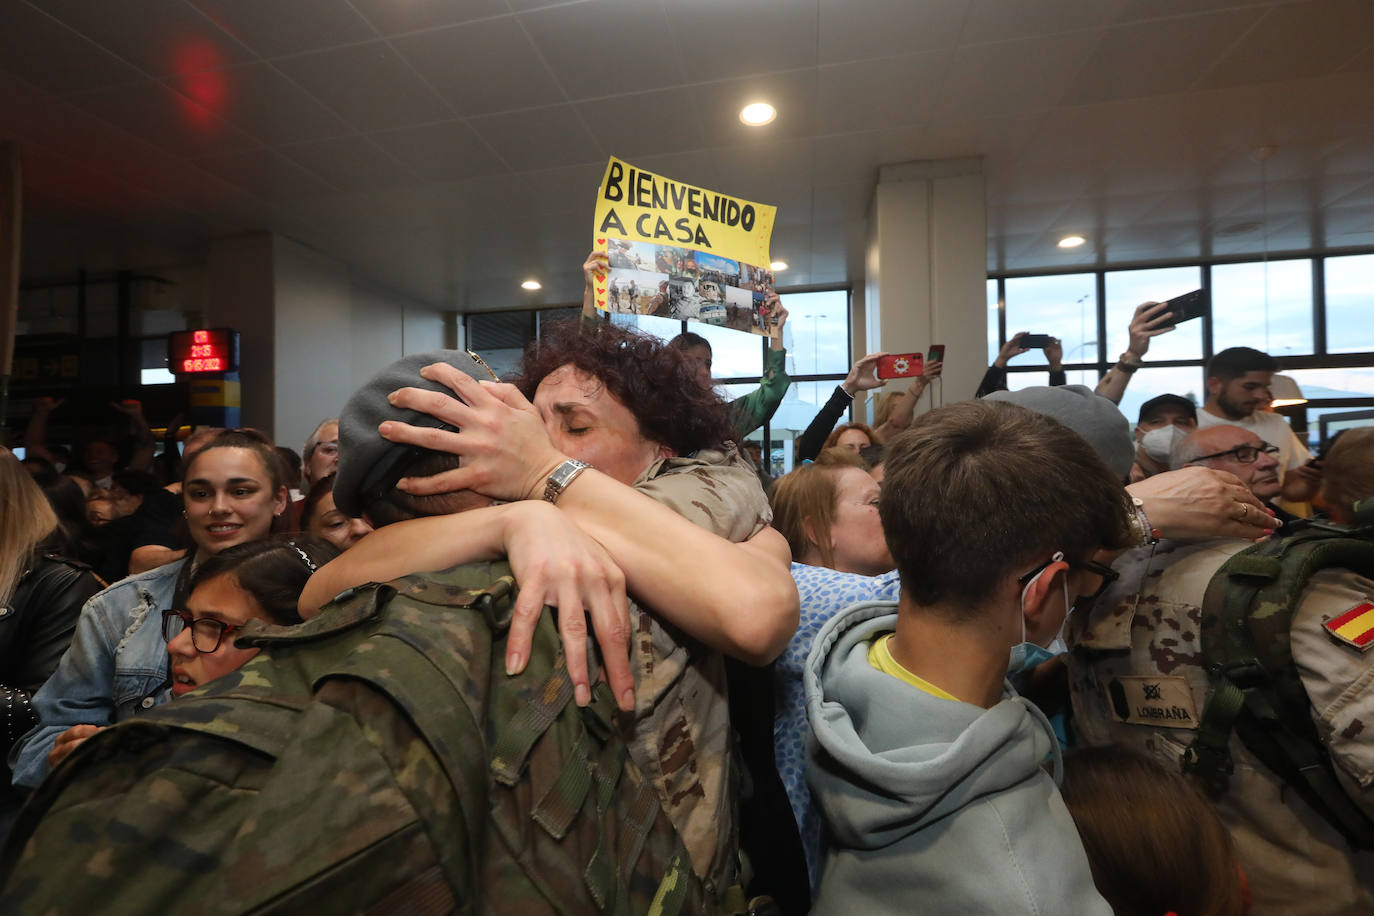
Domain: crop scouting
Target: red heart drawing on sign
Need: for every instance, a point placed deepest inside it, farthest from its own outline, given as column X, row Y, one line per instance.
column 601, row 290
column 601, row 241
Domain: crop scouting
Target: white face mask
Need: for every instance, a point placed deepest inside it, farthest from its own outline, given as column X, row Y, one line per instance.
column 1026, row 655
column 1158, row 443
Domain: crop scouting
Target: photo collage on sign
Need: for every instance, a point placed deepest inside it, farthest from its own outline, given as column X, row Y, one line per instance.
column 682, row 283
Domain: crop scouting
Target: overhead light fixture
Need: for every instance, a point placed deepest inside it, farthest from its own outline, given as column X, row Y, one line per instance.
column 1071, row 241
column 531, row 284
column 757, row 114
column 777, row 266
column 1285, row 391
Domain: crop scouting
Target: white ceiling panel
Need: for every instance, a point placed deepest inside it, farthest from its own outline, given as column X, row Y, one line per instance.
column 449, row 151
column 1295, row 41
column 160, row 116
column 889, row 28
column 847, row 98
column 368, row 85
column 160, row 37
column 1134, row 60
column 719, row 39
column 264, row 174
column 629, row 38
column 265, row 103
column 47, row 53
column 351, row 163
column 1004, row 20
column 392, row 18
column 539, row 138
column 271, row 28
column 482, row 67
column 444, row 146
column 645, row 122
column 1013, row 77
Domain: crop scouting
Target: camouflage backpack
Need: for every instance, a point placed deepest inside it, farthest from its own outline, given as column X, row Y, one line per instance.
column 376, row 760
column 1247, row 615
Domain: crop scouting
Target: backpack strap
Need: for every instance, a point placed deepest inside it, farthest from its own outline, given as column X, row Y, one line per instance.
column 1257, row 691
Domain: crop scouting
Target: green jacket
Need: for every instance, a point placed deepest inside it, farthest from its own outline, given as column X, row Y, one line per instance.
column 754, row 409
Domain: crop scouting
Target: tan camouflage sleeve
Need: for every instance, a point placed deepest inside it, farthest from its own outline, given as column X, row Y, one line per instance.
column 1339, row 679
column 715, row 490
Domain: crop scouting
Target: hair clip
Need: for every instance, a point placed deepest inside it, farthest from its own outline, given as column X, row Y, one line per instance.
column 310, row 564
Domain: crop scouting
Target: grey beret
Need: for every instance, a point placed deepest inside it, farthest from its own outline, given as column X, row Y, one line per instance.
column 368, row 464
column 1090, row 415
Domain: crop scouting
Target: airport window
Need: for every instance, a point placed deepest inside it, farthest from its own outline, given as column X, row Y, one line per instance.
column 1311, row 314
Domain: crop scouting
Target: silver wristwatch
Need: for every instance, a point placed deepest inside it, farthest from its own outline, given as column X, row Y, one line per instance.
column 563, row 475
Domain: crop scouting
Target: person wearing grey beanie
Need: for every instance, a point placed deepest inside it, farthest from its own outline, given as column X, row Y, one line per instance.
column 1090, row 415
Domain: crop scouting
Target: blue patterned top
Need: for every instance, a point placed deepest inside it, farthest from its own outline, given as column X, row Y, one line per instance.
column 824, row 593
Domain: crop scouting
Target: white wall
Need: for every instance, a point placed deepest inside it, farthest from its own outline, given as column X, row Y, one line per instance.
column 311, row 331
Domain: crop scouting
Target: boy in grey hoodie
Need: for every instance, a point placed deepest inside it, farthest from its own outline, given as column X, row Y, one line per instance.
column 925, row 764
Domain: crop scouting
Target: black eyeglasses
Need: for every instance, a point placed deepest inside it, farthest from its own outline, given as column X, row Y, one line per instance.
column 206, row 632
column 1245, row 454
column 1106, row 574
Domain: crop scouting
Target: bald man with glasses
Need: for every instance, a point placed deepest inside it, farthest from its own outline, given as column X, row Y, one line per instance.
column 1237, row 451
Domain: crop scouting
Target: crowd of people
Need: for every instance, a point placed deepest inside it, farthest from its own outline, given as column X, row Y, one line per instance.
column 991, row 657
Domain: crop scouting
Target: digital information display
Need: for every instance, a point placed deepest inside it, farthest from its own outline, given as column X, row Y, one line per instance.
column 211, row 350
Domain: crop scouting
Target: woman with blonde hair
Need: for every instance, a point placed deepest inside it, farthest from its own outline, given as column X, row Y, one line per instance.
column 41, row 595
column 828, row 511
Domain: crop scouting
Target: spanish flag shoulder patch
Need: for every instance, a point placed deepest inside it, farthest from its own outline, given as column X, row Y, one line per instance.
column 1355, row 627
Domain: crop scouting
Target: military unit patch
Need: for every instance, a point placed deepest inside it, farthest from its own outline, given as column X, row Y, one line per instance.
column 1355, row 627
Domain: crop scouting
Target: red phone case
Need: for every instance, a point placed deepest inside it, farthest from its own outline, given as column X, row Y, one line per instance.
column 900, row 365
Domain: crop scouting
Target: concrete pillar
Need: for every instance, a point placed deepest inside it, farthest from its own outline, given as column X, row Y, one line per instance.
column 926, row 269
column 310, row 332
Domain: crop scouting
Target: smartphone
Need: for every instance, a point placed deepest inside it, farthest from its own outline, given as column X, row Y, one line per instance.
column 1036, row 341
column 1187, row 307
column 936, row 354
column 900, row 365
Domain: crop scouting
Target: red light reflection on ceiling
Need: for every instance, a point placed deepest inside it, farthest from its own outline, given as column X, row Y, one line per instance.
column 201, row 84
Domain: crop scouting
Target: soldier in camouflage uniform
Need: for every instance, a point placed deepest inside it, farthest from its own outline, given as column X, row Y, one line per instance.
column 677, row 722
column 1137, row 679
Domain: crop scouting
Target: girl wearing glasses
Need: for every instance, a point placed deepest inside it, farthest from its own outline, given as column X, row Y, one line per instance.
column 259, row 580
column 116, row 666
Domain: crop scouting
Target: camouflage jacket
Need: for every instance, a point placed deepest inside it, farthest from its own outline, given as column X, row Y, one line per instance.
column 681, row 732
column 1137, row 679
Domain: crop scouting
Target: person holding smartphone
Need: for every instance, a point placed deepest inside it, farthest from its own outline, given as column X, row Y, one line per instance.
column 863, row 377
column 995, row 379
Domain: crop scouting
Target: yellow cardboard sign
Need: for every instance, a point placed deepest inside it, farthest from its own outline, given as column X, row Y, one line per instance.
column 679, row 251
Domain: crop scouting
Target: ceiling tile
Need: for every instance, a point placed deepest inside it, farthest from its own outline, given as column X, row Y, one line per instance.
column 887, row 27
column 849, row 97
column 1296, row 40
column 482, row 67
column 765, row 170
column 264, row 174
column 1137, row 60
column 632, row 33
column 717, row 39
column 352, row 163
column 155, row 113
column 160, row 37
column 646, row 122
column 792, row 94
column 1002, row 20
column 54, row 57
column 393, row 18
column 1013, row 77
column 271, row 28
column 540, row 138
column 450, row 151
column 267, row 105
column 369, row 85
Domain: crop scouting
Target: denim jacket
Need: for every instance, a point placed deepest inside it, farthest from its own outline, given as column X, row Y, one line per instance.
column 115, row 667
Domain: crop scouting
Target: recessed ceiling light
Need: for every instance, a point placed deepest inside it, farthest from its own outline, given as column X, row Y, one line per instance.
column 757, row 114
column 1071, row 241
column 778, row 265
column 531, row 284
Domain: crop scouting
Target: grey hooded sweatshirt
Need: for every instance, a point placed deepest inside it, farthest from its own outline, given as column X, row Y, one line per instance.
column 932, row 805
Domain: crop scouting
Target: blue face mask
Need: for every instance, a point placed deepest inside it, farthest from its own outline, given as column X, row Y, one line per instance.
column 1026, row 655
